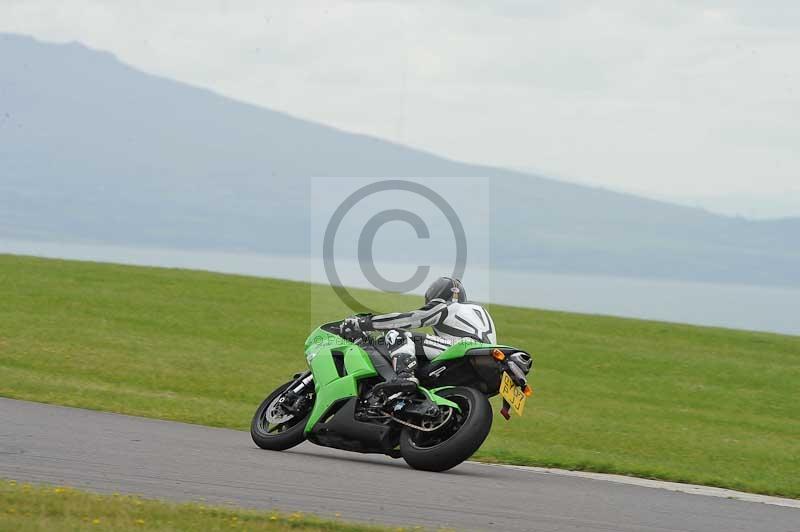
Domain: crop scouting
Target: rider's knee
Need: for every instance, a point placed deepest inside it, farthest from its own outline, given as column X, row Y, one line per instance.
column 399, row 342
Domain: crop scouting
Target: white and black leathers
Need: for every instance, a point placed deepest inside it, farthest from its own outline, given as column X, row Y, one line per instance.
column 451, row 321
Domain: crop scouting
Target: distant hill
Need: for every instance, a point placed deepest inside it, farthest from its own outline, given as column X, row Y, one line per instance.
column 94, row 150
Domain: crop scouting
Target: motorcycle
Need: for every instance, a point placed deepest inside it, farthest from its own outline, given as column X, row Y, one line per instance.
column 435, row 428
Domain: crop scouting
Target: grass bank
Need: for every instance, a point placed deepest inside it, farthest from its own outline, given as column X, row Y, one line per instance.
column 27, row 508
column 675, row 402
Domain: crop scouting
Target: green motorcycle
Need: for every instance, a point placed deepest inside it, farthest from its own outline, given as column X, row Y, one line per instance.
column 434, row 429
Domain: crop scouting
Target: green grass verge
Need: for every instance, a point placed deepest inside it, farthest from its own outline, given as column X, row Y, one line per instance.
column 27, row 508
column 676, row 402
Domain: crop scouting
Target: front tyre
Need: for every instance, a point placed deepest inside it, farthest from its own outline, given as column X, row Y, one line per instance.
column 457, row 440
column 275, row 430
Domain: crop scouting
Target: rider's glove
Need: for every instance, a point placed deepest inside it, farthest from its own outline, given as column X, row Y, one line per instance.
column 352, row 322
column 350, row 328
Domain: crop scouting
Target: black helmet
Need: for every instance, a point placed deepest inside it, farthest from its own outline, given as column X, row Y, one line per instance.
column 446, row 289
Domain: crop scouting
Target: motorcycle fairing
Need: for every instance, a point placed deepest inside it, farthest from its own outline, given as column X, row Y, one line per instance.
column 337, row 366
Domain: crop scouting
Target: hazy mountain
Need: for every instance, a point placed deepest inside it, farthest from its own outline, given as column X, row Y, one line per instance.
column 92, row 149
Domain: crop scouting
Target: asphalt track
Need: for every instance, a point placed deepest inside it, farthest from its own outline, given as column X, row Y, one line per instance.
column 114, row 453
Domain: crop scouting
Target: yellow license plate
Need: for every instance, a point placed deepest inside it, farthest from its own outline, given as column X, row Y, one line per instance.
column 512, row 393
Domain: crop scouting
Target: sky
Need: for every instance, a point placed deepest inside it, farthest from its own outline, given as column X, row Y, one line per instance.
column 691, row 101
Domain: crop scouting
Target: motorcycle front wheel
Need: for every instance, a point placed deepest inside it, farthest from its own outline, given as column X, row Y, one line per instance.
column 454, row 442
column 274, row 430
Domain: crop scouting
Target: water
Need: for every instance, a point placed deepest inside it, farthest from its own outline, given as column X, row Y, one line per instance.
column 749, row 307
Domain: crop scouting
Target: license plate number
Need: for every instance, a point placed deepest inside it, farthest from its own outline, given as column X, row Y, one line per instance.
column 511, row 393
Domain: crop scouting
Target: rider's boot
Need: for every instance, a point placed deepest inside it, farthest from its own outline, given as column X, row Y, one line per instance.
column 404, row 381
column 404, row 362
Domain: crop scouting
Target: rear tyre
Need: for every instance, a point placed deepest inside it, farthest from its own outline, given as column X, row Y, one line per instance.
column 282, row 435
column 450, row 445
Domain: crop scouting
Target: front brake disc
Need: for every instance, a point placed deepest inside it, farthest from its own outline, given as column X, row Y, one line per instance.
column 275, row 414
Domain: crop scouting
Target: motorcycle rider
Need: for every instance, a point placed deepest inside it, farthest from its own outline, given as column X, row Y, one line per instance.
column 446, row 310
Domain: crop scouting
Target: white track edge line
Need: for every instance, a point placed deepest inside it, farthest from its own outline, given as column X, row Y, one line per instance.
column 691, row 489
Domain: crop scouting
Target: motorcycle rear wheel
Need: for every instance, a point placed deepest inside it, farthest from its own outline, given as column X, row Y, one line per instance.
column 457, row 440
column 280, row 436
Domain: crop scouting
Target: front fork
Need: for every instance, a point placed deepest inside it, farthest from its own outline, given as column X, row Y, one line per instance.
column 301, row 380
column 290, row 398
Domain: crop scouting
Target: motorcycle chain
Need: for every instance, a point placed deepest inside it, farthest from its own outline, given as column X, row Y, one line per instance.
column 423, row 429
